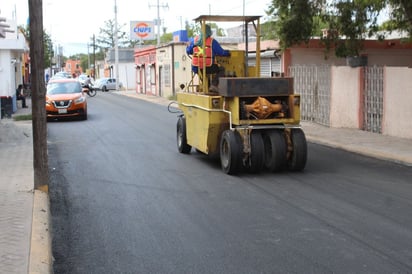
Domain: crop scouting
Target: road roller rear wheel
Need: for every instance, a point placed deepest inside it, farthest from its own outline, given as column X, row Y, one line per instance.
column 297, row 159
column 257, row 154
column 231, row 152
column 275, row 150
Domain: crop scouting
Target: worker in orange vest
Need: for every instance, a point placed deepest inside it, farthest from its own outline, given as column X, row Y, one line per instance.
column 206, row 54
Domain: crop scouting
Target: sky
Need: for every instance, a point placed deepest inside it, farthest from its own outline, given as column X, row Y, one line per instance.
column 73, row 23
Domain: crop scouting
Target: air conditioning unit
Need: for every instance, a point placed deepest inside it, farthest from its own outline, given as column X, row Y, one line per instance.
column 357, row 61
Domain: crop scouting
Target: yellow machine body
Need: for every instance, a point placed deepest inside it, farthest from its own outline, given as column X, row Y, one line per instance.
column 205, row 120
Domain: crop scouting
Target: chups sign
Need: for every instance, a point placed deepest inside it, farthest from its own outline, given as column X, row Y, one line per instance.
column 141, row 30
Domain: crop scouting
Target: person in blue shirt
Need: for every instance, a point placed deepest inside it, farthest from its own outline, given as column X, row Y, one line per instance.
column 205, row 57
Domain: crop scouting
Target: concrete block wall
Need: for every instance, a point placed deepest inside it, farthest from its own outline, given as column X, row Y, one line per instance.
column 397, row 115
column 344, row 107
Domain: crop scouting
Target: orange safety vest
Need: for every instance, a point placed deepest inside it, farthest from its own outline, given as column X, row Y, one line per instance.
column 200, row 54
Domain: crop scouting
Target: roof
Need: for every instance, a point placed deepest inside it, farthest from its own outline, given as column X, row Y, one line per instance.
column 227, row 18
column 62, row 80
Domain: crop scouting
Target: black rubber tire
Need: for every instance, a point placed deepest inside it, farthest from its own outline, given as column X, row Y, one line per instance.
column 257, row 155
column 104, row 88
column 182, row 145
column 298, row 156
column 92, row 92
column 275, row 150
column 231, row 152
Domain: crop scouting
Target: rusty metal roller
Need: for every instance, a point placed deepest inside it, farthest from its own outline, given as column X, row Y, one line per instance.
column 262, row 108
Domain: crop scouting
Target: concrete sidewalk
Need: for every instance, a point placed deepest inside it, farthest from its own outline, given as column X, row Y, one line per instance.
column 25, row 243
column 25, row 240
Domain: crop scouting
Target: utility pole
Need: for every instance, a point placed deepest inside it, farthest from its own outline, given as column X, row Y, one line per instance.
column 88, row 56
column 94, row 57
column 39, row 123
column 116, row 46
column 158, row 6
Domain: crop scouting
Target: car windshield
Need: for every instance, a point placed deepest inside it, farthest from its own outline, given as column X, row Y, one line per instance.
column 63, row 88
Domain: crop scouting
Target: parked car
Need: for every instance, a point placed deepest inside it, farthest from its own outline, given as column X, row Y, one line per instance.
column 61, row 74
column 82, row 78
column 65, row 98
column 106, row 84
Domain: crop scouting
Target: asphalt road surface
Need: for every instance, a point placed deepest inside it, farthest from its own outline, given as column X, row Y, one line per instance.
column 123, row 200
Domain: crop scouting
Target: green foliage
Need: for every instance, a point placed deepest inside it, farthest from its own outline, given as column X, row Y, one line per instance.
column 190, row 28
column 84, row 61
column 48, row 50
column 354, row 21
column 23, row 117
column 349, row 22
column 166, row 37
column 400, row 16
column 47, row 42
column 293, row 20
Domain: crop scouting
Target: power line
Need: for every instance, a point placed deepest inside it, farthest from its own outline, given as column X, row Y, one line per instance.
column 158, row 6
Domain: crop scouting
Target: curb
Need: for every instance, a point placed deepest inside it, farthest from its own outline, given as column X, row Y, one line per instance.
column 368, row 152
column 40, row 261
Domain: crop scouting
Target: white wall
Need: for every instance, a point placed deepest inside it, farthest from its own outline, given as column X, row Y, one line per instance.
column 7, row 85
column 304, row 56
column 164, row 61
column 397, row 101
column 11, row 47
column 175, row 56
column 184, row 66
column 127, row 75
column 397, row 117
column 376, row 57
column 344, row 108
column 393, row 57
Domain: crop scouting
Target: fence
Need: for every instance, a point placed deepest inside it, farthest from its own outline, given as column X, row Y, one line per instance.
column 313, row 85
column 373, row 99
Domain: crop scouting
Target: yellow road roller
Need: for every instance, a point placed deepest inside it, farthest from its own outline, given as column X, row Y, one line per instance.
column 250, row 123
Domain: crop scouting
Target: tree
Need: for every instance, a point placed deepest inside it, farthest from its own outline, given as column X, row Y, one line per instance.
column 47, row 44
column 400, row 16
column 266, row 31
column 293, row 20
column 106, row 38
column 349, row 22
column 354, row 21
column 83, row 58
column 48, row 50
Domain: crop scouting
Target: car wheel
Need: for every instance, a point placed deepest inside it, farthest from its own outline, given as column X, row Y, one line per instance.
column 104, row 88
